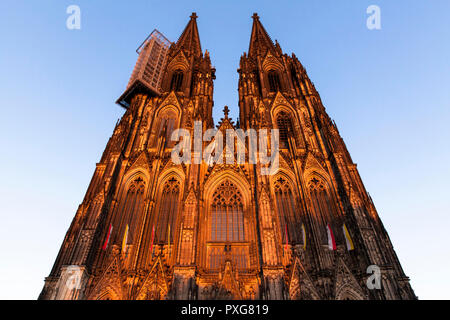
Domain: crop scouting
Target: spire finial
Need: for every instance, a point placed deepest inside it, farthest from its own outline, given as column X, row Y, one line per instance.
column 189, row 39
column 226, row 111
column 259, row 40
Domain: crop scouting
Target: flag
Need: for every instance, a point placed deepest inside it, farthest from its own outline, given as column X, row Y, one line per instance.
column 105, row 245
column 304, row 236
column 331, row 241
column 348, row 239
column 153, row 236
column 125, row 239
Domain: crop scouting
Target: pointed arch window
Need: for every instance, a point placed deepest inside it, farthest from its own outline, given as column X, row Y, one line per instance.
column 287, row 211
column 227, row 216
column 167, row 124
column 258, row 81
column 168, row 211
column 274, row 81
column 132, row 208
column 322, row 207
column 177, row 80
column 227, row 228
column 285, row 127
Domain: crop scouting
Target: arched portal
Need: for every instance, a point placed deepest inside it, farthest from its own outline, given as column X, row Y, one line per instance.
column 228, row 232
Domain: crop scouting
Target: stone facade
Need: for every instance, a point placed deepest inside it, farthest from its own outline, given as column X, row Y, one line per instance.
column 225, row 231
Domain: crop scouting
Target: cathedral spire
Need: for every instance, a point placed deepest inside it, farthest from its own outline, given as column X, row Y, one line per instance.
column 239, row 227
column 190, row 39
column 259, row 40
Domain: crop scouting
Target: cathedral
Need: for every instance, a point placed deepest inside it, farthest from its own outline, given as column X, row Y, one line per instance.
column 150, row 228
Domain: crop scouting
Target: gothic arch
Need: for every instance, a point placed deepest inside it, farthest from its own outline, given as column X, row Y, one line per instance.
column 179, row 62
column 154, row 286
column 285, row 173
column 238, row 180
column 301, row 287
column 170, row 108
column 349, row 293
column 312, row 167
column 227, row 203
column 171, row 172
column 168, row 207
column 168, row 118
column 227, row 230
column 109, row 283
column 323, row 208
column 129, row 179
column 286, row 107
column 346, row 285
column 317, row 173
column 130, row 205
column 132, row 175
column 109, row 293
column 227, row 211
column 180, row 65
column 166, row 113
column 287, row 207
column 272, row 63
column 320, row 178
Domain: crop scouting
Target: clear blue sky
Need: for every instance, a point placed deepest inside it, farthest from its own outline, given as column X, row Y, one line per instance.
column 387, row 90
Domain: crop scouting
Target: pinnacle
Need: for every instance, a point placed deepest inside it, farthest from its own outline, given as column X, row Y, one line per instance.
column 190, row 39
column 226, row 111
column 226, row 120
column 259, row 40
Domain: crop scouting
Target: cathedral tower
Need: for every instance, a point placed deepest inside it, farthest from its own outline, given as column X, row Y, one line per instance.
column 151, row 228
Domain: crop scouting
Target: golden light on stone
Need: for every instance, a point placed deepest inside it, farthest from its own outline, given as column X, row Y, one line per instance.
column 223, row 231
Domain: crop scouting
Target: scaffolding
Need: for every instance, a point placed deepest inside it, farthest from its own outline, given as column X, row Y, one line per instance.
column 148, row 71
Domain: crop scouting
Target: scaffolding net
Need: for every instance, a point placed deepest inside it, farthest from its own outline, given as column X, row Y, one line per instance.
column 151, row 61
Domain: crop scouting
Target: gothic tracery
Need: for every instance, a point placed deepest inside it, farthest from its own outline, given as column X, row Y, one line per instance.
column 224, row 231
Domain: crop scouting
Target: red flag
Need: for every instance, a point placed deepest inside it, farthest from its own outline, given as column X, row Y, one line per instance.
column 105, row 245
column 331, row 241
column 153, row 236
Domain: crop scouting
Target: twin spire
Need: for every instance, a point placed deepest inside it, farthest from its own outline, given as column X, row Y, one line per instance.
column 190, row 39
column 259, row 40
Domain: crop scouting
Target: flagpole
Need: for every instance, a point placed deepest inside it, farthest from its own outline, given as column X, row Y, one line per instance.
column 125, row 240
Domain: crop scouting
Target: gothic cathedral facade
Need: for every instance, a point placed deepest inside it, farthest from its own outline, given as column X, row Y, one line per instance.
column 149, row 228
